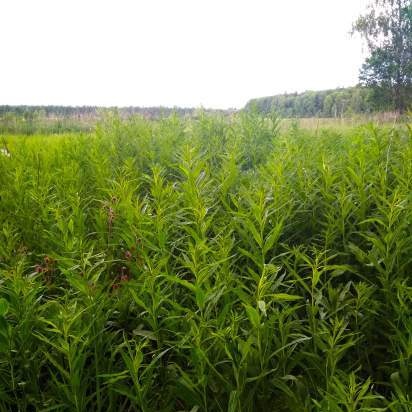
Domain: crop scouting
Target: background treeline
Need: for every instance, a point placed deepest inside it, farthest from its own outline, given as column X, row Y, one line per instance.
column 327, row 103
column 53, row 111
column 57, row 119
column 335, row 103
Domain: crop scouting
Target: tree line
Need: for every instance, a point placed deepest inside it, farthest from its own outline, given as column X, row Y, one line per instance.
column 27, row 112
column 29, row 120
column 385, row 79
column 342, row 102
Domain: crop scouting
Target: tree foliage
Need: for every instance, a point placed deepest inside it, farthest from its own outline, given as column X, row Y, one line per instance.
column 325, row 103
column 387, row 29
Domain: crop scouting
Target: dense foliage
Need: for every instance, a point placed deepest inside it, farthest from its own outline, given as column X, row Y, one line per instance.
column 387, row 28
column 329, row 103
column 206, row 265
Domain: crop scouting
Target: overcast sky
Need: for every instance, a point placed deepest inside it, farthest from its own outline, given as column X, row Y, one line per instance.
column 211, row 53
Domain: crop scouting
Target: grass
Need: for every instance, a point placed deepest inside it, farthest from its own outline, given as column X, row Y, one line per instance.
column 207, row 264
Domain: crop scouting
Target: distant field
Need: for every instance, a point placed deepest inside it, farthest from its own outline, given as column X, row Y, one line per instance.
column 31, row 121
column 385, row 119
column 223, row 263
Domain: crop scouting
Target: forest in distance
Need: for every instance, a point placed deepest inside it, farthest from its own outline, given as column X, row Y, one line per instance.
column 343, row 103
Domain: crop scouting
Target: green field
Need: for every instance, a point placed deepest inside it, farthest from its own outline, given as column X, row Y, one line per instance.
column 210, row 264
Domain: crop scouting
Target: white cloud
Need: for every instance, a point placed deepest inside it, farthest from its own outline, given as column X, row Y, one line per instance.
column 215, row 53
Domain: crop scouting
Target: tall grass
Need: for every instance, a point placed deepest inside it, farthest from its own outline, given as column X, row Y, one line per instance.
column 207, row 265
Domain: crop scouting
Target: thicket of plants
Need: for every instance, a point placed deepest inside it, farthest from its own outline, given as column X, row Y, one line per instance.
column 207, row 265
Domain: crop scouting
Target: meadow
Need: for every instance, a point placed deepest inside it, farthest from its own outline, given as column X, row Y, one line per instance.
column 209, row 264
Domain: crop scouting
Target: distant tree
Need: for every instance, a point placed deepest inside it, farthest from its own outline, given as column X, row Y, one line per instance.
column 387, row 29
column 325, row 103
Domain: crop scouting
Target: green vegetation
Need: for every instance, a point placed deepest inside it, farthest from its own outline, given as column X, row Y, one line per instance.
column 30, row 120
column 208, row 264
column 385, row 77
column 344, row 102
column 387, row 28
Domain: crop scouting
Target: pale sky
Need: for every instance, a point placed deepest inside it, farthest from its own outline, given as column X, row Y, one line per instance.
column 210, row 53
